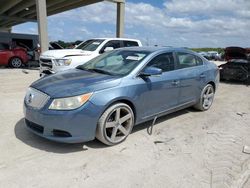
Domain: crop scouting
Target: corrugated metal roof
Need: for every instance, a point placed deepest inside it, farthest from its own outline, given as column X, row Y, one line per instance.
column 13, row 12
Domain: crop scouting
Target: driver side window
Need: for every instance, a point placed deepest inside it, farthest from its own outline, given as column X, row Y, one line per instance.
column 165, row 62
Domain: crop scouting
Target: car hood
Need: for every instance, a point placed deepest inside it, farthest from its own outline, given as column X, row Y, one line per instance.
column 65, row 53
column 74, row 82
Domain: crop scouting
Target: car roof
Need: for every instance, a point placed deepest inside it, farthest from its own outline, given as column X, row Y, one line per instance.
column 116, row 39
column 152, row 49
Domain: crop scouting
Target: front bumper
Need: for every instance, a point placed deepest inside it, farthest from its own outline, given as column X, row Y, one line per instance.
column 73, row 126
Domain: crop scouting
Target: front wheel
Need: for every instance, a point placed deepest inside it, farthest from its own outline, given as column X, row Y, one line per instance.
column 115, row 124
column 206, row 98
column 15, row 62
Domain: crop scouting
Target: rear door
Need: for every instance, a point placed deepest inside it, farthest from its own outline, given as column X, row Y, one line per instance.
column 191, row 71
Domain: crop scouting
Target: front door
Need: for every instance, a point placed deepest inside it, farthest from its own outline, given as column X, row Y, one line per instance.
column 159, row 93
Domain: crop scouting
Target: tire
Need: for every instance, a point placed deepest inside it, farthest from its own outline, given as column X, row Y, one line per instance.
column 15, row 62
column 115, row 124
column 206, row 98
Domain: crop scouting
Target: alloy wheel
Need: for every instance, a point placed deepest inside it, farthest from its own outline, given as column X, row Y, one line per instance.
column 16, row 62
column 208, row 97
column 118, row 124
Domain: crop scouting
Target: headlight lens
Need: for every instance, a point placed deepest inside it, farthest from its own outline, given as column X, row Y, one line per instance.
column 69, row 103
column 62, row 62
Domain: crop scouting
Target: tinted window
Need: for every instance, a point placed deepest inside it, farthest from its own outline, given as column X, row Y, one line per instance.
column 199, row 61
column 130, row 43
column 4, row 46
column 164, row 61
column 188, row 60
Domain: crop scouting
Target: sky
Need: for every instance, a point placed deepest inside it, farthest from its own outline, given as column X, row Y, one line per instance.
column 179, row 23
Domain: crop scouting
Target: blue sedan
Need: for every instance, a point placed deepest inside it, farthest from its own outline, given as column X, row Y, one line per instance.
column 107, row 96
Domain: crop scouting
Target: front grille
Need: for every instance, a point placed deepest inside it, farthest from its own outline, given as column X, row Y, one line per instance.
column 35, row 127
column 46, row 65
column 36, row 99
column 46, row 62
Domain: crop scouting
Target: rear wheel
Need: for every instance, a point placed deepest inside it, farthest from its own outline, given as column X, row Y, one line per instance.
column 115, row 124
column 206, row 98
column 15, row 62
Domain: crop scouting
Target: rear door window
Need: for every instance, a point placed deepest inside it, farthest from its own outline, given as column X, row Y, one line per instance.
column 186, row 60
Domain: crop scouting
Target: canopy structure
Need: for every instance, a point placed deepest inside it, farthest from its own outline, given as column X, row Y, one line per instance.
column 14, row 12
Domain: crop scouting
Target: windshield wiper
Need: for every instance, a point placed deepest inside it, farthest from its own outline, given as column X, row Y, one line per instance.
column 100, row 71
column 82, row 68
column 95, row 70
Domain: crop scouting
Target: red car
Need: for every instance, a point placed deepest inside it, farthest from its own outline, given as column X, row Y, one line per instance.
column 13, row 57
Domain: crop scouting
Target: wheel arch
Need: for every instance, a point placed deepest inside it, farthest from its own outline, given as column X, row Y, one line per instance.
column 125, row 101
column 213, row 84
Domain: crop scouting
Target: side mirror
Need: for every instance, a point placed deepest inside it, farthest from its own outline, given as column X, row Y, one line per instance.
column 108, row 49
column 151, row 71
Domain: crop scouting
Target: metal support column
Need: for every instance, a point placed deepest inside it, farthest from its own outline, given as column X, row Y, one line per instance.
column 42, row 24
column 120, row 19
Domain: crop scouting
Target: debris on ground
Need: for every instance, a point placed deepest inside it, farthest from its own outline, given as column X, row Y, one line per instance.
column 163, row 141
column 246, row 149
column 241, row 113
column 123, row 149
column 25, row 71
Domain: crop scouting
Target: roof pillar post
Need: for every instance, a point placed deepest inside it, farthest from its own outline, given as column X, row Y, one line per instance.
column 120, row 19
column 42, row 24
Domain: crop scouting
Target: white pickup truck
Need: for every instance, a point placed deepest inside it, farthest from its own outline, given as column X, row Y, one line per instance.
column 53, row 61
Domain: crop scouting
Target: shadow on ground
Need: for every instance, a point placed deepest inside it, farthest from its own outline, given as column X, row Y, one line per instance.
column 234, row 82
column 43, row 144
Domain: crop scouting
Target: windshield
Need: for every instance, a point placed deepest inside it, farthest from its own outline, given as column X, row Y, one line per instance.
column 90, row 45
column 118, row 62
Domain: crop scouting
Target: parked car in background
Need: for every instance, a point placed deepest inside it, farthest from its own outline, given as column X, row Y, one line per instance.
column 237, row 66
column 13, row 57
column 53, row 61
column 236, row 69
column 214, row 55
column 204, row 54
column 108, row 95
column 211, row 55
column 234, row 52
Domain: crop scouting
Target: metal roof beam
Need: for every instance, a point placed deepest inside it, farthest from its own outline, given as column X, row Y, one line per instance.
column 21, row 6
column 59, row 7
column 6, row 6
column 14, row 18
column 116, row 1
column 9, row 24
column 32, row 10
column 70, row 5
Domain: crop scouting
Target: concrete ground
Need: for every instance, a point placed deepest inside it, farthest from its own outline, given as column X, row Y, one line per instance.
column 187, row 149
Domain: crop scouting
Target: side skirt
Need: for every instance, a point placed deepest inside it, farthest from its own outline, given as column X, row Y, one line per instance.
column 168, row 111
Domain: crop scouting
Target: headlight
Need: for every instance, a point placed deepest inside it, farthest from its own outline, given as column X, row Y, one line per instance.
column 62, row 62
column 69, row 103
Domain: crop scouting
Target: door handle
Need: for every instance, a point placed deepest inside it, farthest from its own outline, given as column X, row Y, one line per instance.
column 175, row 82
column 202, row 75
